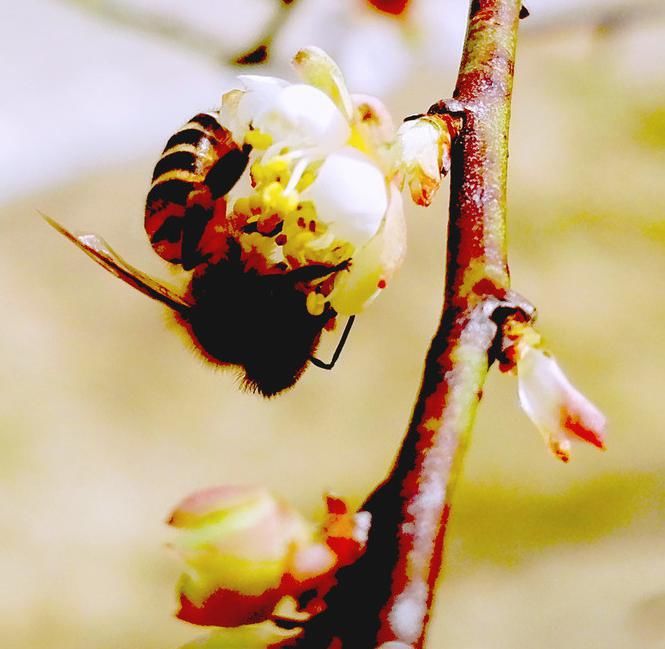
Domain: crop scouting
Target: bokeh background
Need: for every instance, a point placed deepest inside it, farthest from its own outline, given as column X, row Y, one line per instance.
column 107, row 419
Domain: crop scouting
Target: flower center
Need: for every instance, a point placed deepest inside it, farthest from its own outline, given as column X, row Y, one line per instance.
column 279, row 230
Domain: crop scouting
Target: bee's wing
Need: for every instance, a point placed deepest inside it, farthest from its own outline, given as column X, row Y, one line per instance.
column 96, row 248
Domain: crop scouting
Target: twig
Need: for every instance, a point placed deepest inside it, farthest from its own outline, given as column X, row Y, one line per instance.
column 260, row 52
column 387, row 595
column 186, row 36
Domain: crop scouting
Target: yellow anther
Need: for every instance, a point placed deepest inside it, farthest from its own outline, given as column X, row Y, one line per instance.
column 306, row 180
column 277, row 166
column 258, row 172
column 271, row 194
column 274, row 170
column 288, row 203
column 275, row 200
column 257, row 139
column 242, row 206
column 316, row 303
column 255, row 203
column 307, row 212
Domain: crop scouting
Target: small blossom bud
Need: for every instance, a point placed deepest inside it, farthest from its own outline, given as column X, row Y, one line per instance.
column 254, row 636
column 556, row 407
column 422, row 149
column 246, row 551
column 560, row 412
column 237, row 543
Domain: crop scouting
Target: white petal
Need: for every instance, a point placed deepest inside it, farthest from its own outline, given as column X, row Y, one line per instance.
column 302, row 115
column 261, row 94
column 240, row 107
column 228, row 115
column 318, row 69
column 373, row 116
column 374, row 264
column 349, row 195
column 556, row 407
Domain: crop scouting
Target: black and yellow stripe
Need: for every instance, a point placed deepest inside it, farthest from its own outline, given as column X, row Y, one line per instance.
column 199, row 165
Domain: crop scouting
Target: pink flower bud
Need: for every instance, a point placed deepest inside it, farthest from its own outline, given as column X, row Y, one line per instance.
column 246, row 551
column 255, row 636
column 560, row 412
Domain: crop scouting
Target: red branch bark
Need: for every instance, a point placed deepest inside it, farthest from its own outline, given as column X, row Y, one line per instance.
column 387, row 595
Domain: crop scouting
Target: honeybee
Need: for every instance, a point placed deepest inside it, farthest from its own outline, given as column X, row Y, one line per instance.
column 236, row 316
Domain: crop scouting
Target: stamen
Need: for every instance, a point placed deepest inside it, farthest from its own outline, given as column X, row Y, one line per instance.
column 297, row 173
column 315, row 303
column 258, row 139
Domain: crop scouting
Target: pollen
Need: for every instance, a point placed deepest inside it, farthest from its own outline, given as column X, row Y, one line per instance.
column 274, row 170
column 255, row 204
column 242, row 207
column 306, row 180
column 258, row 139
column 275, row 199
column 315, row 303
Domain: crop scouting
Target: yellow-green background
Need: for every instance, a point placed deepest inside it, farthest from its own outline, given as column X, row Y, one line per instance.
column 107, row 418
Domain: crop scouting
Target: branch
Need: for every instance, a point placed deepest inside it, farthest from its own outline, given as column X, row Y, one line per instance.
column 260, row 52
column 387, row 595
column 186, row 36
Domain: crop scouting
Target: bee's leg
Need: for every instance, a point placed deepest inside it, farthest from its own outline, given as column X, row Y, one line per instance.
column 340, row 345
column 315, row 271
column 200, row 207
column 226, row 172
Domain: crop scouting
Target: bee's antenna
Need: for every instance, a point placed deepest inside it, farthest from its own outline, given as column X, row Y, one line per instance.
column 340, row 345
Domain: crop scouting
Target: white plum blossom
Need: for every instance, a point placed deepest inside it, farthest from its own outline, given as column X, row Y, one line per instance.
column 319, row 187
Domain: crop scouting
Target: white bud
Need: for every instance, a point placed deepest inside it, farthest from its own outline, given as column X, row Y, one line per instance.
column 559, row 411
column 422, row 150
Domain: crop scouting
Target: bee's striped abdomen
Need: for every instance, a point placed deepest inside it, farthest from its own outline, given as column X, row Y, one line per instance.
column 199, row 165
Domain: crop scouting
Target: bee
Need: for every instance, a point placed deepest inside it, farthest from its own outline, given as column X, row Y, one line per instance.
column 235, row 316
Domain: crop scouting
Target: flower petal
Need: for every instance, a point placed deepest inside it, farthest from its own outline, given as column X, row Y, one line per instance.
column 374, row 264
column 236, row 543
column 301, row 115
column 261, row 93
column 316, row 68
column 350, row 196
column 557, row 408
column 374, row 119
column 239, row 107
column 210, row 505
column 254, row 636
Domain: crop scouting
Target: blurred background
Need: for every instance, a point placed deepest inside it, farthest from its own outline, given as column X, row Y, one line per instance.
column 107, row 419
